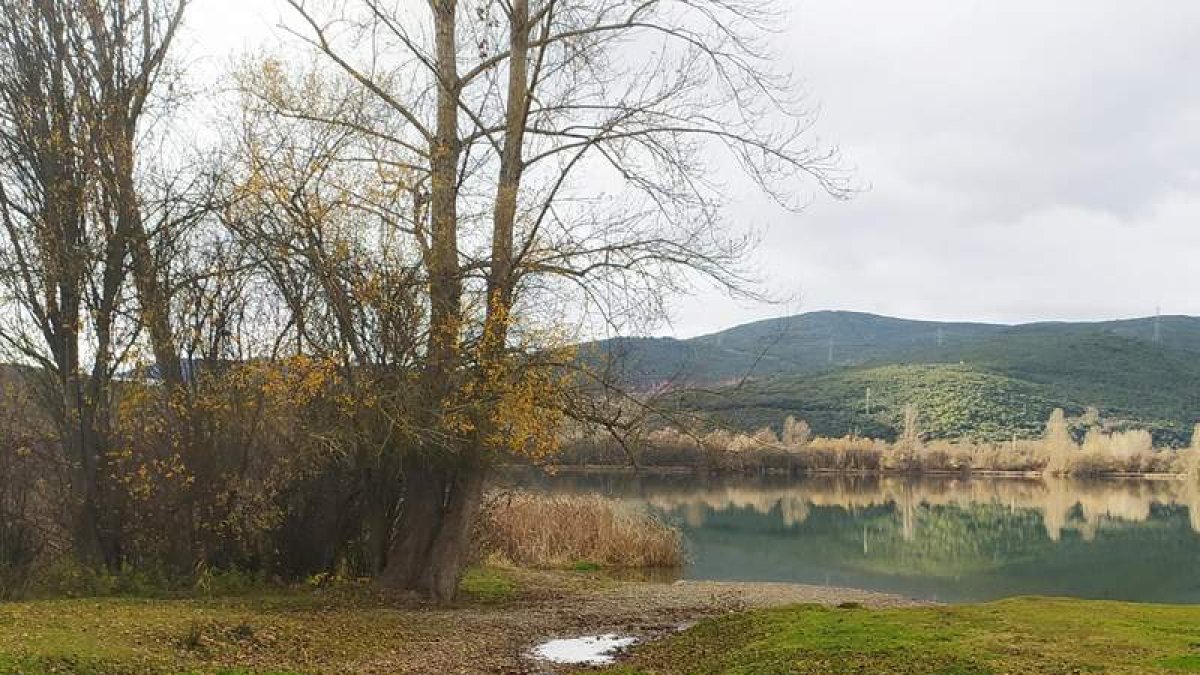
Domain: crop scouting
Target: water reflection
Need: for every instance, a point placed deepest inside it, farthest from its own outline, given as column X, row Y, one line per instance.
column 1063, row 504
column 945, row 538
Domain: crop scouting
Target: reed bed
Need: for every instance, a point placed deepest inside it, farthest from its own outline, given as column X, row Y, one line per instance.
column 555, row 531
column 1059, row 452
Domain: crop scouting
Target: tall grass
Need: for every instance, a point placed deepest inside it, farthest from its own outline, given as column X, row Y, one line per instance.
column 555, row 531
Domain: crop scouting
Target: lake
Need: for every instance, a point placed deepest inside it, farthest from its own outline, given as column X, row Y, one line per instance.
column 945, row 539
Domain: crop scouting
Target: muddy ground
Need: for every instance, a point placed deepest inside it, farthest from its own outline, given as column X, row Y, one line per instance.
column 499, row 640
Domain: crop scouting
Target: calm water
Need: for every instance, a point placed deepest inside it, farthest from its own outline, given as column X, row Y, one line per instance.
column 944, row 539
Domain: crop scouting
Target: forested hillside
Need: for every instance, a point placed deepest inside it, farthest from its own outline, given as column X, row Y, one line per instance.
column 983, row 381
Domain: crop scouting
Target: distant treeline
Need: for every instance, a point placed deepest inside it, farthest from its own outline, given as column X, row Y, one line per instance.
column 1080, row 447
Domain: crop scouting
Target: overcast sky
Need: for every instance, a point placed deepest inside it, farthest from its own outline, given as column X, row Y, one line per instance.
column 1027, row 160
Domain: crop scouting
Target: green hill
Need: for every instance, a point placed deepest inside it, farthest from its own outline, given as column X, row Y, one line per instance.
column 954, row 400
column 808, row 343
column 968, row 379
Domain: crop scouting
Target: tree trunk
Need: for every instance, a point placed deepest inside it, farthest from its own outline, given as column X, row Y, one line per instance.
column 433, row 545
column 439, row 515
column 420, row 519
column 500, row 279
column 451, row 548
column 432, row 485
column 152, row 296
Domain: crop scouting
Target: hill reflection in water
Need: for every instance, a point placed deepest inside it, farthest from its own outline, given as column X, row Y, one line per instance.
column 952, row 539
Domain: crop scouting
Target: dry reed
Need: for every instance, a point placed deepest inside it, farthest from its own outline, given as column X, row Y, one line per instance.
column 1056, row 453
column 553, row 531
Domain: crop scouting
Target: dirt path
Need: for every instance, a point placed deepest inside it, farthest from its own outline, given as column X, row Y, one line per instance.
column 499, row 640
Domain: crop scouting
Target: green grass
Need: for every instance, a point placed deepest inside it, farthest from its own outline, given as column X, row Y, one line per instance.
column 1021, row 635
column 300, row 630
column 488, row 585
column 114, row 635
column 356, row 629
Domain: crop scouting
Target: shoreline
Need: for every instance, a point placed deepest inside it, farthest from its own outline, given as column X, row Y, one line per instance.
column 619, row 469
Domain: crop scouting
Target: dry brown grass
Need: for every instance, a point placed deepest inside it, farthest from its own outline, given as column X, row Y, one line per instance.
column 554, row 531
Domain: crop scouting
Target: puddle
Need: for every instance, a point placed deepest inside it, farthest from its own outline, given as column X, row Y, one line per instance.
column 589, row 650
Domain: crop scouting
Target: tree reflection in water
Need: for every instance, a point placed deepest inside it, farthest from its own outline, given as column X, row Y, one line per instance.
column 945, row 538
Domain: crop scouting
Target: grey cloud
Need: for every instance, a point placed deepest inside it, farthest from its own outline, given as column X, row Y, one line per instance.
column 1028, row 160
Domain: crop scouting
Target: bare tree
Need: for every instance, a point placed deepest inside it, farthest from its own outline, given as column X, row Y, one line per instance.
column 62, row 268
column 557, row 158
column 76, row 80
column 345, row 271
column 118, row 58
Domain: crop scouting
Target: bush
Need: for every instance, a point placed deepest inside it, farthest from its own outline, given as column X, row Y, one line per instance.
column 30, row 527
column 283, row 468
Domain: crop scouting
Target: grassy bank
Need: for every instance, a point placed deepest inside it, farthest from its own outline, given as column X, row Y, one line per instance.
column 344, row 628
column 76, row 620
column 355, row 629
column 1021, row 635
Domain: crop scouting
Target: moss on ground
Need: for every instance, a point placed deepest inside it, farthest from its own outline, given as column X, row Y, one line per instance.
column 1021, row 635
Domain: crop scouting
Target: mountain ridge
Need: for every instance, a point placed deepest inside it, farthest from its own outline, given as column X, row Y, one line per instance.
column 1138, row 372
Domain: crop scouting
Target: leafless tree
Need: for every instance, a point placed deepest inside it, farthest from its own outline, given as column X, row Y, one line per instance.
column 559, row 154
column 76, row 79
column 344, row 271
column 119, row 55
column 58, row 282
